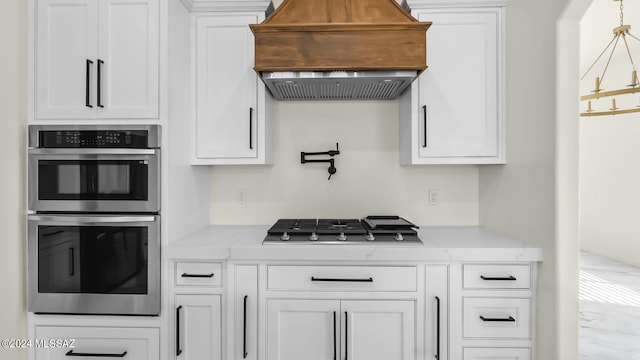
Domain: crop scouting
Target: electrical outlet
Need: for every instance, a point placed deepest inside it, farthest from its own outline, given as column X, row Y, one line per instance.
column 434, row 197
column 241, row 196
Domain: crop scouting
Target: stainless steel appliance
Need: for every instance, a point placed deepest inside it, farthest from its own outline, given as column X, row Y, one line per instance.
column 94, row 264
column 97, row 169
column 372, row 230
column 94, row 223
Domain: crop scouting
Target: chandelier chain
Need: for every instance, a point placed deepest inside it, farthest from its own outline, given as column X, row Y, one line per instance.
column 621, row 13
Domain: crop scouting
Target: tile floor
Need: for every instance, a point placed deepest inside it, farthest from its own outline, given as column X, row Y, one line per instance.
column 609, row 309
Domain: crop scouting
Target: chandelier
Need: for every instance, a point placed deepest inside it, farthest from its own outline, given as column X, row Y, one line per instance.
column 619, row 32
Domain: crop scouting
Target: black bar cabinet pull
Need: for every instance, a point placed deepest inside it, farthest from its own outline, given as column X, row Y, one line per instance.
column 72, row 267
column 346, row 336
column 437, row 328
column 71, row 353
column 251, row 128
column 505, row 278
column 244, row 330
column 100, row 63
column 185, row 275
column 341, row 280
column 424, row 129
column 509, row 319
column 87, row 90
column 178, row 350
column 335, row 340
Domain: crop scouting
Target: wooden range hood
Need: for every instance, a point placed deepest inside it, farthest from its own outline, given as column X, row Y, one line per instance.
column 307, row 49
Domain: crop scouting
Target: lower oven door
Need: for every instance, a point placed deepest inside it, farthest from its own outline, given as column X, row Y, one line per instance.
column 94, row 264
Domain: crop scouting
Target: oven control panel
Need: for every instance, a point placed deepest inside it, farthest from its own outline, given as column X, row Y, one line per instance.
column 94, row 139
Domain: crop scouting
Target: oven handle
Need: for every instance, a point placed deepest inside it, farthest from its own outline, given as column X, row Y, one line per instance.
column 93, row 219
column 81, row 152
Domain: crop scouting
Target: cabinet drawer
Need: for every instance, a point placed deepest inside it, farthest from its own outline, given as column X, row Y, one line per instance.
column 198, row 274
column 497, row 353
column 342, row 278
column 496, row 318
column 497, row 276
column 134, row 343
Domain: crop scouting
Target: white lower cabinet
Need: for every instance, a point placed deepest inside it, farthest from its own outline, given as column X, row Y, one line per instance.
column 97, row 342
column 497, row 354
column 437, row 312
column 363, row 311
column 303, row 329
column 493, row 303
column 245, row 313
column 332, row 329
column 198, row 332
column 379, row 330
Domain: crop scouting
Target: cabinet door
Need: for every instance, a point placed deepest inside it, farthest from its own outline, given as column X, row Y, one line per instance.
column 198, row 327
column 437, row 312
column 379, row 330
column 227, row 119
column 303, row 329
column 65, row 53
column 454, row 113
column 96, row 342
column 459, row 89
column 246, row 312
column 128, row 55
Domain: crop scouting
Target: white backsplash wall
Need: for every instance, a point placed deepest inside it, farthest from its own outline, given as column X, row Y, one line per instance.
column 369, row 179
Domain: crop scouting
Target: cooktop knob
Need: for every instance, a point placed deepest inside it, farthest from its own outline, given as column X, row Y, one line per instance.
column 370, row 237
column 313, row 237
column 342, row 237
column 285, row 237
column 398, row 237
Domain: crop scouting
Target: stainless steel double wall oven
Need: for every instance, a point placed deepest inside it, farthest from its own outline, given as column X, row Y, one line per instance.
column 94, row 219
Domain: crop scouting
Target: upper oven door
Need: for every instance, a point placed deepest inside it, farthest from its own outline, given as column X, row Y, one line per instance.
column 94, row 180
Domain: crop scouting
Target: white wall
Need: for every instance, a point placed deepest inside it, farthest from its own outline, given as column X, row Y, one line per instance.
column 609, row 146
column 369, row 179
column 531, row 198
column 13, row 18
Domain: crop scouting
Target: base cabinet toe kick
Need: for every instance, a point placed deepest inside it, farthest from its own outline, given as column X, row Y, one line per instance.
column 335, row 310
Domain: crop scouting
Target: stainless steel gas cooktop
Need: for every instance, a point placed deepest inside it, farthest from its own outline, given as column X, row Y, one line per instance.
column 372, row 230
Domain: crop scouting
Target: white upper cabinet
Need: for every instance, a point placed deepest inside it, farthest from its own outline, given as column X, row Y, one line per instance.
column 454, row 112
column 231, row 116
column 129, row 48
column 66, row 49
column 97, row 59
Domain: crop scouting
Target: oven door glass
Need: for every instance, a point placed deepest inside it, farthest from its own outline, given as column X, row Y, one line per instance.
column 92, row 180
column 92, row 259
column 94, row 264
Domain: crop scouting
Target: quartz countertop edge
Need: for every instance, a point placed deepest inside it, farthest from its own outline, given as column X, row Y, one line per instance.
column 446, row 244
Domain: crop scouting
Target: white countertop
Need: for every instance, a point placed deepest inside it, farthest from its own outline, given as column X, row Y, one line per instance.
column 460, row 243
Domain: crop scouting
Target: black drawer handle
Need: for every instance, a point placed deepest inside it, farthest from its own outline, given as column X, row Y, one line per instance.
column 178, row 347
column 71, row 353
column 341, row 280
column 244, row 329
column 87, row 90
column 100, row 63
column 185, row 275
column 506, row 278
column 509, row 319
column 438, row 328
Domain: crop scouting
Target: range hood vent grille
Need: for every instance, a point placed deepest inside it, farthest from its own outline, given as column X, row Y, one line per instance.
column 315, row 39
column 369, row 85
